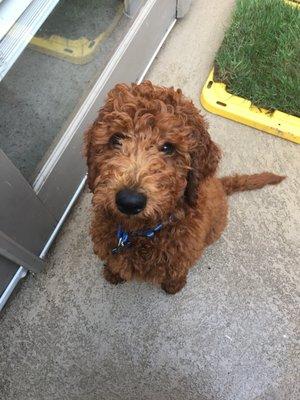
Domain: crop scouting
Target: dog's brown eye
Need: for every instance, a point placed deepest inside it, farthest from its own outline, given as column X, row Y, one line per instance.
column 168, row 148
column 116, row 139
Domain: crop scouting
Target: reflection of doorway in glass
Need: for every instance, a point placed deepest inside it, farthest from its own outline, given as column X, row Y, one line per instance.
column 44, row 88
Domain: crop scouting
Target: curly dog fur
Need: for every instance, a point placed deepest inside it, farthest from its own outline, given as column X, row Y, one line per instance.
column 124, row 150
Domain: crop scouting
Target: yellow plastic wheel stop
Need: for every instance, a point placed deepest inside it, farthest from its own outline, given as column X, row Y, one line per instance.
column 78, row 51
column 217, row 100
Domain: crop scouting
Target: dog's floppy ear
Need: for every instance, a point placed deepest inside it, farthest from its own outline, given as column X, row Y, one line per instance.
column 204, row 162
column 89, row 154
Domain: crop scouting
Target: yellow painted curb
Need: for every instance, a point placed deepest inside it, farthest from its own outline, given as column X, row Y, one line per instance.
column 293, row 3
column 79, row 51
column 217, row 100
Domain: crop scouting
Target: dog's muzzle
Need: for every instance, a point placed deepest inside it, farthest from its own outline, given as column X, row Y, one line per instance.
column 130, row 202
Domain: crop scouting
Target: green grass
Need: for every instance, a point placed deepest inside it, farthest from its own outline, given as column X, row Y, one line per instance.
column 259, row 58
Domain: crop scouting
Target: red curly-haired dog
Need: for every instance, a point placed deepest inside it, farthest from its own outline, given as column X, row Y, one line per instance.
column 156, row 200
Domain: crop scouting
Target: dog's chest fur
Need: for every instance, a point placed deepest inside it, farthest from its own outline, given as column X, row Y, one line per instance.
column 150, row 259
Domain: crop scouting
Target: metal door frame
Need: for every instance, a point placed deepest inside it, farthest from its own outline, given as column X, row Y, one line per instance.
column 23, row 217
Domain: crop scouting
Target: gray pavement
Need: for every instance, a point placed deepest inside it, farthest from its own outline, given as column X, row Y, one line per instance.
column 230, row 334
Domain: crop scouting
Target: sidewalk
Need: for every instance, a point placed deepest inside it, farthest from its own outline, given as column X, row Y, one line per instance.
column 231, row 334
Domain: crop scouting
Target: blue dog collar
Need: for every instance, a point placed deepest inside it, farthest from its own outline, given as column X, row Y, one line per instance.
column 124, row 238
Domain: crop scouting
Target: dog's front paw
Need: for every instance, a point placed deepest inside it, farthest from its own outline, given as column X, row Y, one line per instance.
column 111, row 277
column 172, row 286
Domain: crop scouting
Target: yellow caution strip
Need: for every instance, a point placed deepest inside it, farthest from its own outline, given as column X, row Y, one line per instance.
column 217, row 100
column 79, row 51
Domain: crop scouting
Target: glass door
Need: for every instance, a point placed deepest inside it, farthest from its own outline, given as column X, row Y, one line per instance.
column 50, row 92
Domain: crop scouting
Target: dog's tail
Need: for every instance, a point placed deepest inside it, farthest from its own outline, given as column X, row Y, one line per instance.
column 240, row 183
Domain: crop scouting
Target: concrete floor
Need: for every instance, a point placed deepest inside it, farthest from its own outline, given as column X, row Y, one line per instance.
column 230, row 334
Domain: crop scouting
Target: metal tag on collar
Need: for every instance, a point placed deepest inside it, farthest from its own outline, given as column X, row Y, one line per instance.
column 123, row 241
column 120, row 248
column 122, row 236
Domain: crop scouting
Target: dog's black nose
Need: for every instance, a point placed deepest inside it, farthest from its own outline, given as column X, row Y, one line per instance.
column 130, row 201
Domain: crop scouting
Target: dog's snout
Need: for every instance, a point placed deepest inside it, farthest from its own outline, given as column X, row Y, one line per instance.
column 130, row 201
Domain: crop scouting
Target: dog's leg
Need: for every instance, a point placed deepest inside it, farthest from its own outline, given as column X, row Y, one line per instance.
column 218, row 220
column 213, row 236
column 111, row 277
column 172, row 286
